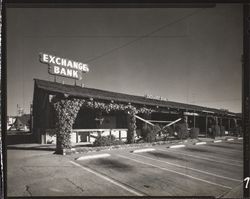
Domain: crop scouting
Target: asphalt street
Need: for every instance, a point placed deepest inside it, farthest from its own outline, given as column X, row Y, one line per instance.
column 213, row 169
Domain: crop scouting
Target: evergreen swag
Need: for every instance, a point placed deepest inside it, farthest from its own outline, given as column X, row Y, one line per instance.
column 68, row 108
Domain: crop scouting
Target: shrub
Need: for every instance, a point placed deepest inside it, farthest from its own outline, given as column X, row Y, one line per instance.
column 156, row 130
column 102, row 141
column 117, row 142
column 107, row 141
column 149, row 133
column 194, row 132
column 181, row 130
column 138, row 132
column 166, row 132
column 169, row 131
column 145, row 131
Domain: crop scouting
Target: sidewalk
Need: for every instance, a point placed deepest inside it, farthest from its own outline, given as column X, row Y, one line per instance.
column 33, row 146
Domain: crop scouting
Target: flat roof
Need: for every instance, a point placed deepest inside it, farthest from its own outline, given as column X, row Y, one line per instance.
column 84, row 92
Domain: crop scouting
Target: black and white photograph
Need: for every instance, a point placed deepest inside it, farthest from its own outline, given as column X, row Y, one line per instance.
column 124, row 101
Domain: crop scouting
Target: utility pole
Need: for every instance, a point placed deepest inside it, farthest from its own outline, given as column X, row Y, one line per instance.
column 19, row 110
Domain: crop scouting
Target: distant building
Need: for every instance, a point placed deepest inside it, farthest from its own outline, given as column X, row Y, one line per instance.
column 20, row 123
column 10, row 122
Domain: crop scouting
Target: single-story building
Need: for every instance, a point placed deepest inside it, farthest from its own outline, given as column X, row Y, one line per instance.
column 20, row 123
column 90, row 112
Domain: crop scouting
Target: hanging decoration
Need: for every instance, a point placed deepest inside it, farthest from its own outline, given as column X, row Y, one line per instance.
column 108, row 107
column 67, row 109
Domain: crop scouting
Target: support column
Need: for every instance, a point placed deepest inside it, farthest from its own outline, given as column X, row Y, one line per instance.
column 66, row 111
column 221, row 129
column 235, row 124
column 216, row 120
column 131, row 128
column 214, row 127
column 89, row 137
column 120, row 135
column 194, row 121
column 77, row 137
column 183, row 130
column 186, row 119
column 206, row 125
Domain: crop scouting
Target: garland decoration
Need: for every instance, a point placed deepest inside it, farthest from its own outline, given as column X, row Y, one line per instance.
column 67, row 109
column 108, row 107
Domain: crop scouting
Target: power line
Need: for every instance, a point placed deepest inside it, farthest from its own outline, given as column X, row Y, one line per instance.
column 144, row 36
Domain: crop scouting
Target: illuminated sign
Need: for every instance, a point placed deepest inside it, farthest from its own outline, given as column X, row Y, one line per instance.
column 64, row 67
column 65, row 72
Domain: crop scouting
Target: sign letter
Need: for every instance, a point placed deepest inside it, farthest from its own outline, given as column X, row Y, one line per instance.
column 75, row 74
column 45, row 58
column 56, row 70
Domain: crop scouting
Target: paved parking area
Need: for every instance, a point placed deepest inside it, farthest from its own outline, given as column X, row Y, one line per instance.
column 195, row 170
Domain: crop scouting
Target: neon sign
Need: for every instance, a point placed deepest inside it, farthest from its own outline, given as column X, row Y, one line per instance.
column 64, row 67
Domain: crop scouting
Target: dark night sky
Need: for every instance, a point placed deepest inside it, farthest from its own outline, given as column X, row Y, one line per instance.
column 190, row 55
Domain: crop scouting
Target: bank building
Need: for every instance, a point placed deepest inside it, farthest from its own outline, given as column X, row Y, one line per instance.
column 67, row 115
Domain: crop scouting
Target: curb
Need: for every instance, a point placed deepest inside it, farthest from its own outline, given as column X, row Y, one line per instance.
column 78, row 150
column 104, row 155
column 200, row 143
column 216, row 141
column 142, row 150
column 176, row 146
